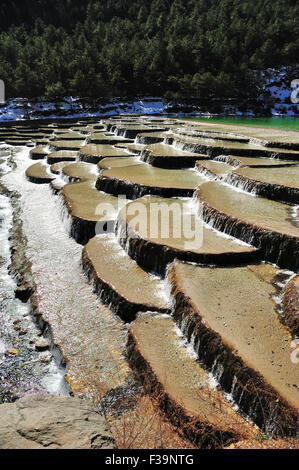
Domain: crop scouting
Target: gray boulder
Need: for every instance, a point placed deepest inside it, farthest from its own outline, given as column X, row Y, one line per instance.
column 51, row 422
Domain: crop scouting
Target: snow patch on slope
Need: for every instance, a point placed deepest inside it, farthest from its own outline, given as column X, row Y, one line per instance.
column 275, row 100
column 21, row 108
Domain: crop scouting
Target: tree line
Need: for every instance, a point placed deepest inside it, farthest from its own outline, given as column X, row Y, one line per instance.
column 171, row 48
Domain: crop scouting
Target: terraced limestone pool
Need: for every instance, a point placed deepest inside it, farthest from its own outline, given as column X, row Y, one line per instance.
column 164, row 262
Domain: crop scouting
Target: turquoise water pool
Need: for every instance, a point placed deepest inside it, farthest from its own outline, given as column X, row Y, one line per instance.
column 285, row 123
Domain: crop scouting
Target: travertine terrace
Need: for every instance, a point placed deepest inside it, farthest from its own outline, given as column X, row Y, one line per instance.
column 181, row 239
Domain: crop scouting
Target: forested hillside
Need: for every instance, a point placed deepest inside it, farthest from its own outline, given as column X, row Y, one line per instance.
column 171, row 48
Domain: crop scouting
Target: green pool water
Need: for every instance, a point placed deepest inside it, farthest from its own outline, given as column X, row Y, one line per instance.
column 286, row 123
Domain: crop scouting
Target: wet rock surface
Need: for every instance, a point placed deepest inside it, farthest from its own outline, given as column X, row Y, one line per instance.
column 107, row 138
column 149, row 138
column 167, row 156
column 88, row 210
column 71, row 145
column 93, row 153
column 268, row 137
column 38, row 153
column 38, row 173
column 79, row 172
column 214, row 148
column 131, row 131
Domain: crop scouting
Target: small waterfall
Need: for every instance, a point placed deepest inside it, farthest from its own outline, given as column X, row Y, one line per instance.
column 144, row 139
column 205, row 173
column 280, row 283
column 294, row 212
column 224, row 230
column 234, row 162
column 139, row 139
column 267, row 190
column 168, row 140
column 181, row 145
column 119, row 131
column 184, row 343
column 245, row 184
column 144, row 155
column 217, row 370
column 64, row 214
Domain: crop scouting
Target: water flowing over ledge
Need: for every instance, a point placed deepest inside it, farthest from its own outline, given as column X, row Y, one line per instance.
column 81, row 295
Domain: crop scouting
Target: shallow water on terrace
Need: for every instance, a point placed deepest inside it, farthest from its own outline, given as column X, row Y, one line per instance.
column 288, row 176
column 268, row 214
column 214, row 143
column 145, row 174
column 164, row 150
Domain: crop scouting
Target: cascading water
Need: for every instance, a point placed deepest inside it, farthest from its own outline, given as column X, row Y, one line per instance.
column 246, row 185
column 23, row 369
column 294, row 212
column 66, row 301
